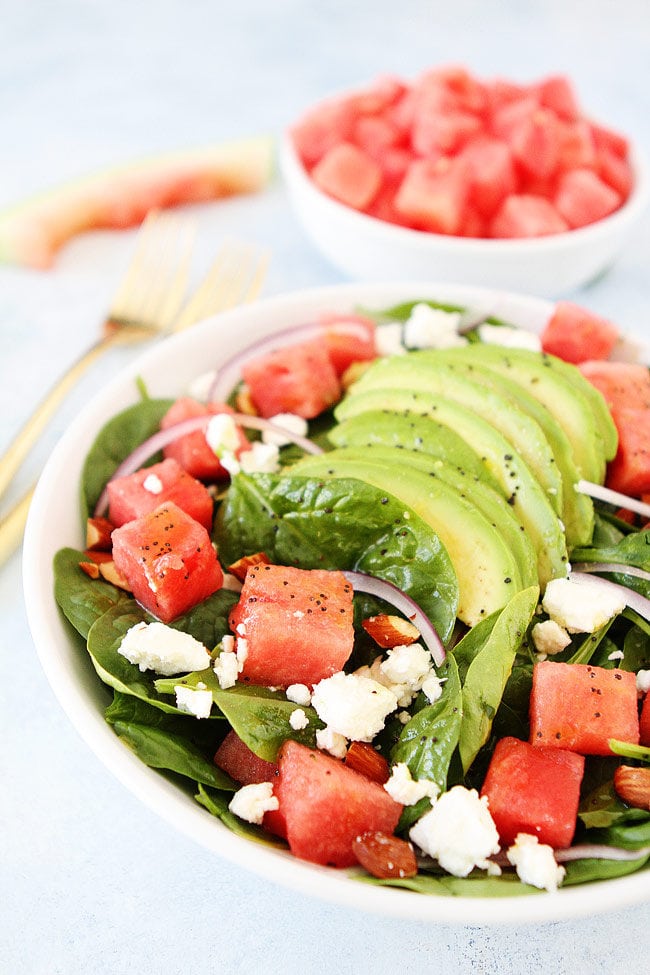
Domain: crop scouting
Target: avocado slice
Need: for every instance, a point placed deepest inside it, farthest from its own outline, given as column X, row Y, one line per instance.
column 518, row 485
column 413, row 433
column 487, row 571
column 562, row 393
column 426, row 372
column 577, row 508
column 469, row 486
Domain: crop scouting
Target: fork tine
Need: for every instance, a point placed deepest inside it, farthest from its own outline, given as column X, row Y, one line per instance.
column 155, row 283
column 235, row 277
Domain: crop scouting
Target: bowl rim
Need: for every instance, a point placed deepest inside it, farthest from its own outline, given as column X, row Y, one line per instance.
column 295, row 173
column 52, row 640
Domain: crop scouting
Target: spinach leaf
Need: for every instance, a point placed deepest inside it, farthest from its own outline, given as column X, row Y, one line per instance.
column 590, row 869
column 606, row 819
column 217, row 805
column 489, row 671
column 338, row 523
column 207, row 622
column 82, row 600
column 113, row 444
column 506, row 885
column 472, row 643
column 632, row 549
column 428, row 740
column 589, row 645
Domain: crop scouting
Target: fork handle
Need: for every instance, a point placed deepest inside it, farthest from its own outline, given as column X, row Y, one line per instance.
column 12, row 527
column 34, row 426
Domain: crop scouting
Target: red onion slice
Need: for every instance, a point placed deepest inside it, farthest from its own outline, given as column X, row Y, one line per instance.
column 581, row 851
column 228, row 375
column 602, row 493
column 619, row 567
column 399, row 599
column 638, row 603
column 162, row 438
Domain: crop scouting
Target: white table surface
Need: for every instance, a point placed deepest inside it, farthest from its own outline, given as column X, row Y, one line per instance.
column 90, row 880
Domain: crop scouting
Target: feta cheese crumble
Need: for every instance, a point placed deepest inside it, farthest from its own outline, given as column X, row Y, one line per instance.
column 388, row 339
column 549, row 637
column 643, row 681
column 252, row 801
column 161, row 648
column 581, row 607
column 226, row 669
column 432, row 328
column 403, row 788
column 222, row 435
column 512, row 338
column 298, row 719
column 152, row 484
column 298, row 694
column 332, row 742
column 354, row 706
column 535, row 863
column 262, row 458
column 196, row 701
column 290, row 422
column 458, row 831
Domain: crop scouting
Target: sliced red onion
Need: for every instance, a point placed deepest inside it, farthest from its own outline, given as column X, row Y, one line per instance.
column 228, row 375
column 601, row 493
column 634, row 600
column 620, row 567
column 162, row 438
column 399, row 599
column 585, row 851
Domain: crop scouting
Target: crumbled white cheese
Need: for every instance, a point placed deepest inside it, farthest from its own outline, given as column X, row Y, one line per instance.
column 513, row 338
column 458, row 831
column 643, row 681
column 222, row 434
column 152, row 484
column 403, row 788
column 388, row 339
column 432, row 687
column 404, row 717
column 240, row 629
column 241, row 652
column 331, row 741
column 226, row 669
column 535, row 863
column 298, row 694
column 354, row 706
column 290, row 422
column 615, row 655
column 196, row 701
column 581, row 607
column 298, row 719
column 432, row 328
column 228, row 643
column 409, row 664
column 229, row 462
column 161, row 648
column 252, row 801
column 262, row 458
column 549, row 637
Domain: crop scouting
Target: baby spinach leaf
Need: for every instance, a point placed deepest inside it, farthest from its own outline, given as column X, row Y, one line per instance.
column 339, row 523
column 632, row 549
column 207, row 622
column 608, row 820
column 472, row 643
column 506, row 885
column 114, row 442
column 217, row 804
column 82, row 600
column 169, row 750
column 489, row 671
column 133, row 710
column 590, row 869
column 589, row 645
column 428, row 740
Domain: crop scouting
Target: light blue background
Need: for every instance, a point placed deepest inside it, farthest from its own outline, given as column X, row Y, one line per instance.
column 90, row 880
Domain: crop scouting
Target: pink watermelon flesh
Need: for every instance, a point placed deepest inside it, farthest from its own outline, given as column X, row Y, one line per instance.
column 139, row 493
column 297, row 379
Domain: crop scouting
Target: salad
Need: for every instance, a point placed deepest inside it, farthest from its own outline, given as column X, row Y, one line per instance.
column 418, row 645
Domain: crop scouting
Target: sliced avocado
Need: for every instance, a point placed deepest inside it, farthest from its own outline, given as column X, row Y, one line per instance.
column 425, row 371
column 518, row 485
column 469, row 486
column 562, row 393
column 487, row 571
column 411, row 432
column 577, row 508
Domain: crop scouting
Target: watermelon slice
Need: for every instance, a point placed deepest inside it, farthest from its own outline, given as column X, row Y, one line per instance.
column 32, row 232
column 137, row 494
column 575, row 334
column 644, row 722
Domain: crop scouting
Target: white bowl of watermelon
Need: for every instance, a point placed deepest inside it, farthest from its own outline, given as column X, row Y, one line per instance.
column 451, row 177
column 421, row 703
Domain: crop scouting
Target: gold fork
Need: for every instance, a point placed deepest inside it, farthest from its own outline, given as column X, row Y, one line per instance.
column 235, row 277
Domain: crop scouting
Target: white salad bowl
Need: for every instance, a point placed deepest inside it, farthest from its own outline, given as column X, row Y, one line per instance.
column 55, row 522
column 370, row 249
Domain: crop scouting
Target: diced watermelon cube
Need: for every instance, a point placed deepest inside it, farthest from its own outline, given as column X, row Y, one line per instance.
column 575, row 334
column 616, row 171
column 374, row 134
column 491, row 173
column 579, row 707
column 535, row 142
column 453, row 87
column 606, row 138
column 433, row 196
column 534, row 790
column 377, row 98
column 629, row 472
column 192, row 450
column 326, row 805
column 235, row 757
column 621, row 383
column 577, row 148
column 513, row 113
column 168, row 560
column 138, row 493
column 297, row 624
column 526, row 215
column 557, row 93
column 322, row 129
column 644, row 722
column 349, row 175
column 582, row 197
column 348, row 339
column 299, row 378
column 436, row 132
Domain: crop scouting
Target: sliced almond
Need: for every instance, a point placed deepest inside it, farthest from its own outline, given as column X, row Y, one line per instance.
column 354, row 371
column 365, row 759
column 98, row 534
column 90, row 568
column 385, row 856
column 633, row 785
column 390, row 631
column 244, row 402
column 109, row 573
column 241, row 566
